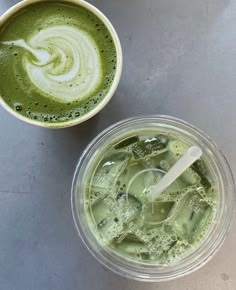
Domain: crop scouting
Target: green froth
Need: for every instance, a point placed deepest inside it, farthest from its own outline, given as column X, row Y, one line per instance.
column 16, row 87
column 123, row 220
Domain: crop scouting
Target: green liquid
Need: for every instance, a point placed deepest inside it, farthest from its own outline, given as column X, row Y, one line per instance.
column 57, row 61
column 119, row 214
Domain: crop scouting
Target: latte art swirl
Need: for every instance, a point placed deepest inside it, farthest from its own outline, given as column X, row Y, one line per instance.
column 65, row 65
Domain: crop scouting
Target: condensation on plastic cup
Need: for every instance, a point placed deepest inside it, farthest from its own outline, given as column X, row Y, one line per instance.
column 224, row 210
column 22, row 4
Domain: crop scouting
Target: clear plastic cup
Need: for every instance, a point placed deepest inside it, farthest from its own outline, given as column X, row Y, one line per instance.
column 224, row 208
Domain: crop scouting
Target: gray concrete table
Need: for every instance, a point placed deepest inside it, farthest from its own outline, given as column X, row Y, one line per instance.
column 179, row 59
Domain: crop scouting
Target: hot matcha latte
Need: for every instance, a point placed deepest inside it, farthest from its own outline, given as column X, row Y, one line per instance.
column 57, row 61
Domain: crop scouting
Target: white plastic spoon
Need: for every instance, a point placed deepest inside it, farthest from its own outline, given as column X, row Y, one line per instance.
column 189, row 157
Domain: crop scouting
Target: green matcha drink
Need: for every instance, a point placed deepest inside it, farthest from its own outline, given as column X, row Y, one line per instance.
column 121, row 216
column 117, row 178
column 58, row 60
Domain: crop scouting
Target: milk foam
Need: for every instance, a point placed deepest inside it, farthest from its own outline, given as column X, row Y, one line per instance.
column 66, row 65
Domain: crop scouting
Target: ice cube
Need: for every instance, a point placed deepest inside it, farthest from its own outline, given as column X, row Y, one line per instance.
column 107, row 174
column 192, row 210
column 134, row 249
column 101, row 209
column 150, row 146
column 129, row 206
column 117, row 217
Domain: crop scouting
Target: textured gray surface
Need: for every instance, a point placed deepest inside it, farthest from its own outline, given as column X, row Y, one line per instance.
column 179, row 59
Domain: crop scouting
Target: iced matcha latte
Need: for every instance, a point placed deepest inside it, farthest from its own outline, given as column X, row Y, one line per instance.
column 121, row 216
column 111, row 195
